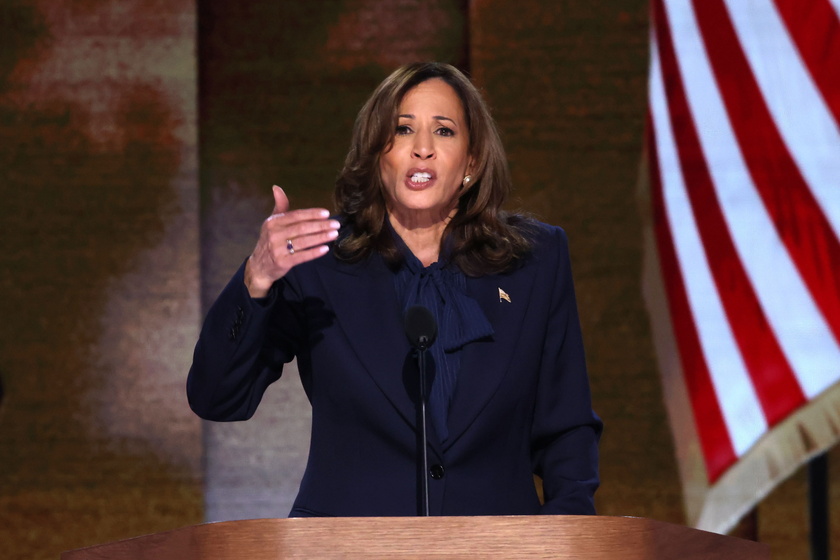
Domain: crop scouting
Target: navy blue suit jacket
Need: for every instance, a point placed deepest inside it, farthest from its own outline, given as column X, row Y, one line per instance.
column 521, row 405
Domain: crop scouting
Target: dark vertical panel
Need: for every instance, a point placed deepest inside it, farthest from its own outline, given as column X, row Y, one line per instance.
column 280, row 85
column 568, row 84
column 281, row 82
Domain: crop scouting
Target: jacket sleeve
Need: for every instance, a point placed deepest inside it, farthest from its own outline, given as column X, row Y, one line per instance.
column 241, row 349
column 565, row 431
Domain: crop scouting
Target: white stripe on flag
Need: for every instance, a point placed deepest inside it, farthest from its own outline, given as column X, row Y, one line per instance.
column 796, row 104
column 734, row 390
column 799, row 327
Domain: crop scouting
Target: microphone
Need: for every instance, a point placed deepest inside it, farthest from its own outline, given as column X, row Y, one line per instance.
column 420, row 327
column 421, row 330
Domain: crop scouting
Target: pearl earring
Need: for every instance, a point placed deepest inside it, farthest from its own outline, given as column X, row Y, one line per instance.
column 467, row 180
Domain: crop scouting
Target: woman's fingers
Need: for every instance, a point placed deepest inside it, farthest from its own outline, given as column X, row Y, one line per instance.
column 287, row 239
column 298, row 243
column 295, row 230
column 296, row 216
column 292, row 237
column 301, row 255
column 292, row 246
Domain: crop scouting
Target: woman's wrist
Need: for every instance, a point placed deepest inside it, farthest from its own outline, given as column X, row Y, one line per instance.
column 257, row 287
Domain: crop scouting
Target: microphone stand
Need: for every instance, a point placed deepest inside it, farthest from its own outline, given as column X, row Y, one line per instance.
column 421, row 329
column 424, row 479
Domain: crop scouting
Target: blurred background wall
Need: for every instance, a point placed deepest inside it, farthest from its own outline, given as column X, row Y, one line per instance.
column 138, row 144
column 98, row 271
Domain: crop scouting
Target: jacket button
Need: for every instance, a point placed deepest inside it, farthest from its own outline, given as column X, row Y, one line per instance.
column 436, row 471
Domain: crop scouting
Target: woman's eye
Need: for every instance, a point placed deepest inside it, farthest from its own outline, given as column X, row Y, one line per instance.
column 445, row 131
column 402, row 130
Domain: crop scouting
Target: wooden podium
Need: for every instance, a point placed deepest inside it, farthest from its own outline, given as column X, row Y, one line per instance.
column 565, row 537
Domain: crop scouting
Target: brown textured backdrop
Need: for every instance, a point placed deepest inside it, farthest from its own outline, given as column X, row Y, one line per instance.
column 98, row 272
column 102, row 191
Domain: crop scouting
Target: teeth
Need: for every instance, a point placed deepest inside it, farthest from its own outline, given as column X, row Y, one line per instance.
column 421, row 177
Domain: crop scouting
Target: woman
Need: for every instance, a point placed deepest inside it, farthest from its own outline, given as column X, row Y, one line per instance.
column 420, row 222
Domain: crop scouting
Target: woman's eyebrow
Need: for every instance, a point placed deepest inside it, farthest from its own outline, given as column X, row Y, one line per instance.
column 436, row 117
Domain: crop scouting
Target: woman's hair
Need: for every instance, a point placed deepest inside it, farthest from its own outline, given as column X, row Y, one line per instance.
column 481, row 238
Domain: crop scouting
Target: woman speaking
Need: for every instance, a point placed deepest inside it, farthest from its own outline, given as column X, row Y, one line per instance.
column 419, row 223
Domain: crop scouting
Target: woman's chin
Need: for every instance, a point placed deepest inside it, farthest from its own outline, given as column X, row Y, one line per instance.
column 415, row 213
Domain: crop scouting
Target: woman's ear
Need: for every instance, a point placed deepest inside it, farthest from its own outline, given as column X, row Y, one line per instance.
column 469, row 178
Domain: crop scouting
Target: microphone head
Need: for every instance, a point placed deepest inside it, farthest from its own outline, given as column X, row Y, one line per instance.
column 420, row 327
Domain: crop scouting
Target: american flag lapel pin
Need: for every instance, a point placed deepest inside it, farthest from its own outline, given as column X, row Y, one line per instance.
column 503, row 296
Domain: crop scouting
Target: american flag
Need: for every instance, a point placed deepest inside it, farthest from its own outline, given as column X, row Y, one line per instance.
column 743, row 251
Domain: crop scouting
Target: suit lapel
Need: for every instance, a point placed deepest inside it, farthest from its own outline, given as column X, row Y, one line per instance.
column 365, row 302
column 484, row 364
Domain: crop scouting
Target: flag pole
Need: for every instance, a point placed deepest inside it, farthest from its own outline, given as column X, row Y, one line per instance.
column 747, row 527
column 818, row 505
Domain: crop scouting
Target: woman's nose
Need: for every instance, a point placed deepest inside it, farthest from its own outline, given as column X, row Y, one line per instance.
column 423, row 145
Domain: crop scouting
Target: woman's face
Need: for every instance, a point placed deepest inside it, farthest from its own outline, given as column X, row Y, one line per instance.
column 425, row 167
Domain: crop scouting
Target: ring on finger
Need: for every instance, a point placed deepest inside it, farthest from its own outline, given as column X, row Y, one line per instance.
column 290, row 247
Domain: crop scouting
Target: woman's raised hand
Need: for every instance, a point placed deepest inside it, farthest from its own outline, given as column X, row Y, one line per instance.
column 287, row 239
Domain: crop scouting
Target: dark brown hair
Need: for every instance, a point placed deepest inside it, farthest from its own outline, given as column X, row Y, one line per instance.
column 481, row 237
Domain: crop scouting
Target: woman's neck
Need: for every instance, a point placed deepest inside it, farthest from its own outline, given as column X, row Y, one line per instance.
column 422, row 237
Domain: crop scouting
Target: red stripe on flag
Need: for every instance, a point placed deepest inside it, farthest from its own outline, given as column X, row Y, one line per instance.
column 718, row 452
column 815, row 29
column 798, row 217
column 773, row 379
